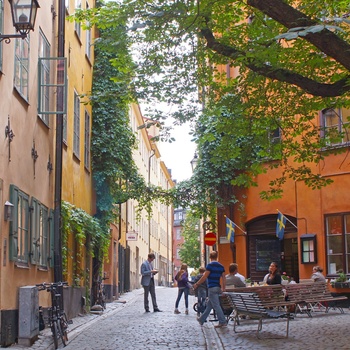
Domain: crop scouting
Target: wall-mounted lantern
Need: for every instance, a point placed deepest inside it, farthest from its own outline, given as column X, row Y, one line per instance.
column 23, row 18
column 9, row 207
column 194, row 162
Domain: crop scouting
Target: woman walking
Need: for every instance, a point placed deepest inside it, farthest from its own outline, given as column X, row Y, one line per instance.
column 183, row 288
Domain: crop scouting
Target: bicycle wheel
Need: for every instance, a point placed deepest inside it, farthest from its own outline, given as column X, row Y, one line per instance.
column 64, row 326
column 55, row 333
column 61, row 331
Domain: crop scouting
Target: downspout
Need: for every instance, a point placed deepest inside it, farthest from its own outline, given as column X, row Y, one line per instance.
column 58, row 273
column 149, row 182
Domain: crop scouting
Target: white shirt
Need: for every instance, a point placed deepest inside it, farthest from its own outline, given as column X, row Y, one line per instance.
column 240, row 276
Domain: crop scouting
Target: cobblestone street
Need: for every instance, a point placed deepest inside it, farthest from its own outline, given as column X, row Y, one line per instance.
column 126, row 326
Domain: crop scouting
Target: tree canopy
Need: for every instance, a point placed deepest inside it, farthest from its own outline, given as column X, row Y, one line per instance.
column 240, row 70
column 190, row 252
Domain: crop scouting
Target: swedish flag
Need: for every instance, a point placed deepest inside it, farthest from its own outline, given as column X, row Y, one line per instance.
column 281, row 224
column 230, row 230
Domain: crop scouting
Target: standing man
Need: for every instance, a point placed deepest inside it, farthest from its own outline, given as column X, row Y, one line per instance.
column 214, row 272
column 147, row 282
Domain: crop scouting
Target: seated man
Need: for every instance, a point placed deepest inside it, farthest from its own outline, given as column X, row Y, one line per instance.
column 232, row 279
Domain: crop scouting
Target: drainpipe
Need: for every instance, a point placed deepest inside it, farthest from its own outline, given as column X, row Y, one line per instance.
column 58, row 274
column 149, row 182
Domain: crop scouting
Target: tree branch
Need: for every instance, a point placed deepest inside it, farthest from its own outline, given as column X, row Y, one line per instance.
column 325, row 40
column 309, row 85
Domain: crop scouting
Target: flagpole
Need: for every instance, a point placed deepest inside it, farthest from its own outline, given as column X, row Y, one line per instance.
column 287, row 219
column 237, row 226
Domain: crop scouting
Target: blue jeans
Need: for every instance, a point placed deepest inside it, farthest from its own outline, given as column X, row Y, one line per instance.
column 181, row 291
column 201, row 296
column 213, row 303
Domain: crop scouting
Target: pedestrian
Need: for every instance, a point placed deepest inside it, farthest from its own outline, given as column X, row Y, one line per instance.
column 317, row 275
column 183, row 288
column 147, row 282
column 214, row 272
column 201, row 292
column 232, row 279
column 273, row 277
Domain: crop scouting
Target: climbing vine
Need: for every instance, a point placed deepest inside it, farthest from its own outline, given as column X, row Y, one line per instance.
column 87, row 233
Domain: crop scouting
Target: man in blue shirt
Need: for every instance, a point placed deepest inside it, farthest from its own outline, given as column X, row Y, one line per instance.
column 213, row 273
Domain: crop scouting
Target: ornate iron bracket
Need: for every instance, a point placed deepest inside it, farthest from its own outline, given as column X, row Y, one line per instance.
column 9, row 133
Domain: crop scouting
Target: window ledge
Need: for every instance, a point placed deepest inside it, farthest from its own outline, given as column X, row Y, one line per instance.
column 21, row 265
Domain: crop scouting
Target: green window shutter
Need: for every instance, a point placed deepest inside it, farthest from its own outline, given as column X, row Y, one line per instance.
column 13, row 238
column 34, row 232
column 51, row 228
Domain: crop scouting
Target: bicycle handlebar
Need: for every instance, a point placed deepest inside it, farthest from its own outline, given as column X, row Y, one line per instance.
column 46, row 285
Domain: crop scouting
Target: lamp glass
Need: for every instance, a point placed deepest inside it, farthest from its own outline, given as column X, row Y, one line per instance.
column 194, row 162
column 24, row 14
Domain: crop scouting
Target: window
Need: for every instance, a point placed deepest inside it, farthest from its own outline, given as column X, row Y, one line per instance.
column 275, row 136
column 40, row 231
column 338, row 242
column 335, row 126
column 76, row 136
column 65, row 128
column 44, row 69
column 178, row 253
column 88, row 38
column 21, row 75
column 308, row 248
column 87, row 141
column 178, row 233
column 77, row 25
column 19, row 227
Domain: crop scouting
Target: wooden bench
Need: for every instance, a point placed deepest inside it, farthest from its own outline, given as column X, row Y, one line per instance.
column 270, row 295
column 249, row 304
column 310, row 296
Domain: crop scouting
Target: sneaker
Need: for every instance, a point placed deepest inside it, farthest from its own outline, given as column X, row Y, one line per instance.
column 220, row 325
column 177, row 311
column 186, row 312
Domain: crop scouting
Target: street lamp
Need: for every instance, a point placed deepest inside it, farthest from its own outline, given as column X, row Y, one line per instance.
column 194, row 162
column 23, row 18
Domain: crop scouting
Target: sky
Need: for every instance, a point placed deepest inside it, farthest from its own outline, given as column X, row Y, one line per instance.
column 177, row 155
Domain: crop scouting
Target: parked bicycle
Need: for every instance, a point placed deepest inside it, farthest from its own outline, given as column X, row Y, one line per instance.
column 57, row 318
column 100, row 292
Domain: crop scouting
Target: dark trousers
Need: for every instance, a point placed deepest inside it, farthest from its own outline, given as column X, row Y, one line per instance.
column 150, row 290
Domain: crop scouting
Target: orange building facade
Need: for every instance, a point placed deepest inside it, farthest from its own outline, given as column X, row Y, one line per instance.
column 317, row 230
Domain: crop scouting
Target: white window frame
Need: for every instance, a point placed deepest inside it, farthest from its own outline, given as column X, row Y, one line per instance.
column 44, row 52
column 21, row 74
column 332, row 118
column 87, row 138
column 77, row 25
column 76, row 131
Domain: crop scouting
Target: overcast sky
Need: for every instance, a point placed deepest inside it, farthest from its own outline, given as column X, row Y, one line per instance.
column 178, row 154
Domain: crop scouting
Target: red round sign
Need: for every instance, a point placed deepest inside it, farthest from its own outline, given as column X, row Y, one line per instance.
column 210, row 238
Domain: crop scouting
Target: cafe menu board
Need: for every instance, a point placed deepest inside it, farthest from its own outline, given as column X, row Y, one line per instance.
column 267, row 250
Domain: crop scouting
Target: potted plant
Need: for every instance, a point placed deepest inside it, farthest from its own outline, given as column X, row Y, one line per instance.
column 341, row 281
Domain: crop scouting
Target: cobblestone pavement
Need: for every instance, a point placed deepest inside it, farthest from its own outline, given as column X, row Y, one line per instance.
column 124, row 325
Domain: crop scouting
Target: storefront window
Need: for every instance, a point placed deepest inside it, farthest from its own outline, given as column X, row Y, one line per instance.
column 338, row 243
